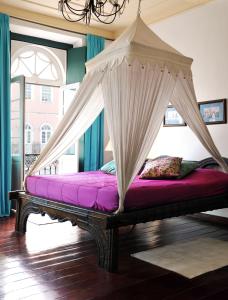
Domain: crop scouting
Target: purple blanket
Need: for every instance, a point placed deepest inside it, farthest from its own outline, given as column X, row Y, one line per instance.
column 98, row 191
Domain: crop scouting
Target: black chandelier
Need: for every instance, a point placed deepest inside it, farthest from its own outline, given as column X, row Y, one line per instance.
column 104, row 11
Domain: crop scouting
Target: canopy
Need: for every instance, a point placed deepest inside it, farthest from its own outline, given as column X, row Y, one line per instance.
column 134, row 79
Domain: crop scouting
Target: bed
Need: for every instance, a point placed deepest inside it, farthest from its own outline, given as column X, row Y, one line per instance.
column 90, row 199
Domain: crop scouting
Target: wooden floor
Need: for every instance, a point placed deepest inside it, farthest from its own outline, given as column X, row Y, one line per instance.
column 58, row 261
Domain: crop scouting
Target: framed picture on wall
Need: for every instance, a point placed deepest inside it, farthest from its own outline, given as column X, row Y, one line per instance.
column 172, row 117
column 213, row 112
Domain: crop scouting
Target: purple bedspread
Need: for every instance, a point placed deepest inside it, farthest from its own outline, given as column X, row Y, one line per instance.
column 98, row 191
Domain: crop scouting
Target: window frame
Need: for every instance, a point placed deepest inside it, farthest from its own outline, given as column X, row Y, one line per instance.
column 31, row 134
column 41, row 94
column 54, row 60
column 31, row 85
column 45, row 131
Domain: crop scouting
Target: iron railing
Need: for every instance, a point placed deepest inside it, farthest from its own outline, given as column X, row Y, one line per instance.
column 51, row 169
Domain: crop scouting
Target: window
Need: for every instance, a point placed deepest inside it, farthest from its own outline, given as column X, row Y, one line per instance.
column 46, row 94
column 28, row 139
column 44, row 70
column 28, row 91
column 28, row 134
column 38, row 64
column 45, row 133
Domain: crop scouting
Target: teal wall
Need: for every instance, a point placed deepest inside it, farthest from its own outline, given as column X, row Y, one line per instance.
column 76, row 58
column 39, row 41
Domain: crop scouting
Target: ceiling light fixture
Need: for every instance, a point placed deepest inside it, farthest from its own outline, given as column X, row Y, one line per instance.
column 104, row 11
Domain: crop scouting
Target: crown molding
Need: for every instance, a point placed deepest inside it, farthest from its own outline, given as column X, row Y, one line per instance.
column 51, row 21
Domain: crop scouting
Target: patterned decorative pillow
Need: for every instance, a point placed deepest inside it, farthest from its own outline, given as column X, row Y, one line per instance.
column 109, row 168
column 162, row 167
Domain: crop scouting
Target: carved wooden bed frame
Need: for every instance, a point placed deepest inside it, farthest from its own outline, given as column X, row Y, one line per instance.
column 104, row 226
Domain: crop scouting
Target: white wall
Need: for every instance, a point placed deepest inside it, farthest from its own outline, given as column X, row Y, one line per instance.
column 200, row 33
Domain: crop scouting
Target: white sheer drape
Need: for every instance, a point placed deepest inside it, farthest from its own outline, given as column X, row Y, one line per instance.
column 184, row 100
column 138, row 75
column 82, row 112
column 135, row 99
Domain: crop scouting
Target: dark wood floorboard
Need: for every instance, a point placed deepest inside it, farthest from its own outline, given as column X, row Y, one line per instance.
column 58, row 261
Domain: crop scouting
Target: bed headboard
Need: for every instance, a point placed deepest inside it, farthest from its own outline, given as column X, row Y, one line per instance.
column 210, row 163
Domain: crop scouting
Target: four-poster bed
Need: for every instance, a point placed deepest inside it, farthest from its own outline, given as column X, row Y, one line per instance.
column 133, row 79
column 104, row 225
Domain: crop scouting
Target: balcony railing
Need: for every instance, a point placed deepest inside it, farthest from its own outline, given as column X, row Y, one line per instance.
column 51, row 169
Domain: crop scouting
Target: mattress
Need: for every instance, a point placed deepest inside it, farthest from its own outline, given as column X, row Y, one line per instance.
column 97, row 190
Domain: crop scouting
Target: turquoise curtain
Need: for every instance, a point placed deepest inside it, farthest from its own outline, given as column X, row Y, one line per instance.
column 5, row 141
column 94, row 136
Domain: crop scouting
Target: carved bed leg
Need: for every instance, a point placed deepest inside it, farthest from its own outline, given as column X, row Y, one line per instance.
column 24, row 209
column 106, row 239
column 107, row 244
column 108, row 251
column 18, row 226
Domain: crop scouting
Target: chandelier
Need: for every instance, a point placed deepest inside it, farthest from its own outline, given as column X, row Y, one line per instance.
column 104, row 11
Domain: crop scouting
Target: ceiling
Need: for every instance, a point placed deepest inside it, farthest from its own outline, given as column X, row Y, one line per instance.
column 151, row 10
column 40, row 31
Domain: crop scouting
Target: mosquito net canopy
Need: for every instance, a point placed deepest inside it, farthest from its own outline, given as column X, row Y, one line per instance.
column 133, row 79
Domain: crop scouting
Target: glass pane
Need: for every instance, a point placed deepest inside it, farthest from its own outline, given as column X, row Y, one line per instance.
column 22, row 70
column 35, row 63
column 14, row 66
column 40, row 65
column 47, row 74
column 54, row 71
column 43, row 57
column 68, row 96
column 17, row 131
column 29, row 63
column 15, row 117
column 69, row 161
column 46, row 93
column 27, row 54
column 28, row 91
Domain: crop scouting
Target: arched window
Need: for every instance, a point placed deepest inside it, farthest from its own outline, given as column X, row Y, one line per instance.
column 28, row 134
column 45, row 133
column 38, row 64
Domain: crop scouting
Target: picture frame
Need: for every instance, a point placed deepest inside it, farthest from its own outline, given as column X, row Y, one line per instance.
column 214, row 111
column 172, row 117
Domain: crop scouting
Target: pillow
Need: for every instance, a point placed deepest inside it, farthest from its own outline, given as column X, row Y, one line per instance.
column 187, row 166
column 109, row 168
column 162, row 167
